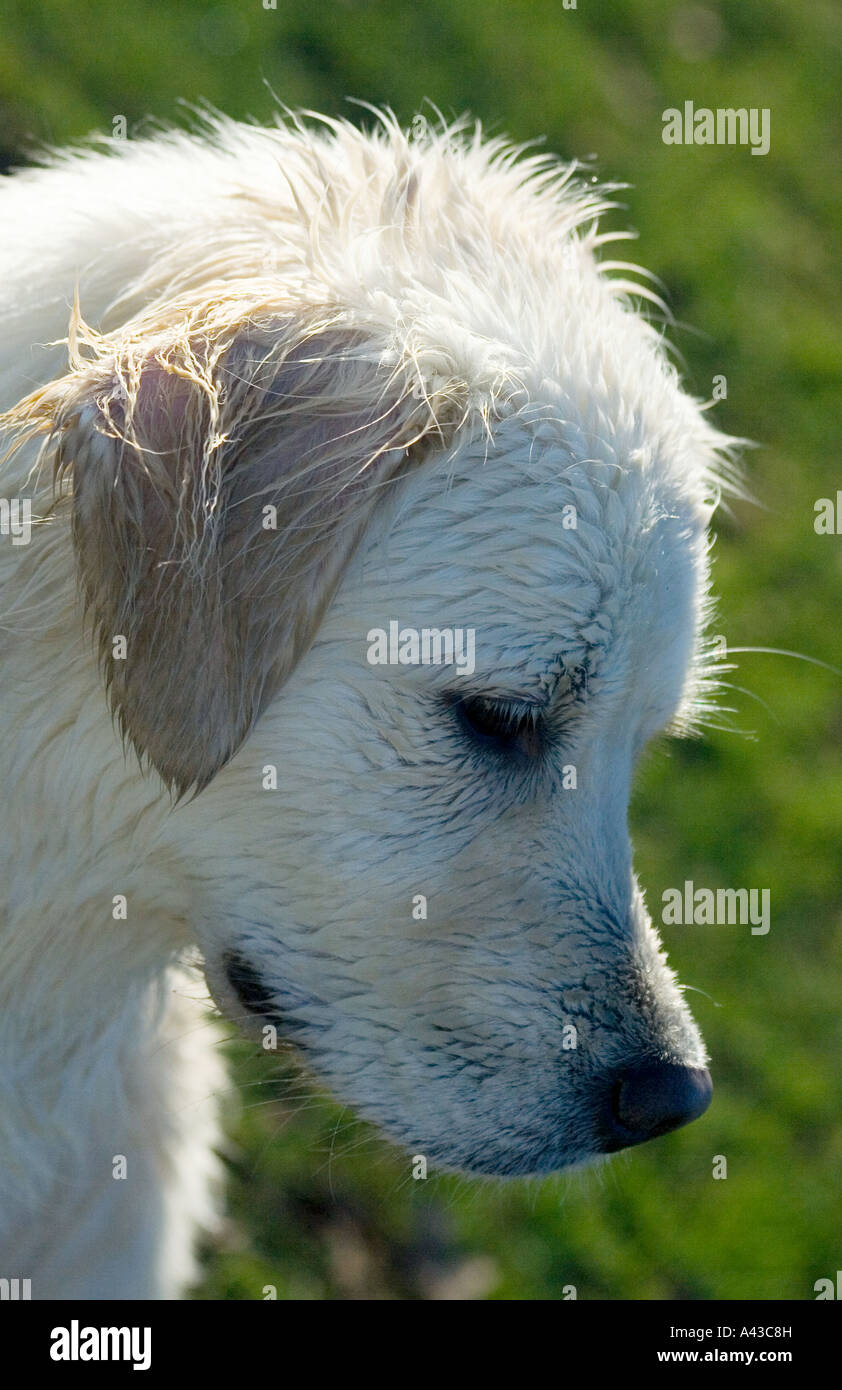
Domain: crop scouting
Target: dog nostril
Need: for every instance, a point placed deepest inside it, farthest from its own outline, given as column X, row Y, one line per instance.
column 650, row 1100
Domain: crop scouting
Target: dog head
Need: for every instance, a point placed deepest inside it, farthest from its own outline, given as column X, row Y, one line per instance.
column 444, row 420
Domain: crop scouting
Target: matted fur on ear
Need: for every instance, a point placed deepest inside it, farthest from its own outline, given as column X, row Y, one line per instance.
column 222, row 468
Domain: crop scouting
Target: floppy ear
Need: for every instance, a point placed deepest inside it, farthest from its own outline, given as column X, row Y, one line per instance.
column 221, row 478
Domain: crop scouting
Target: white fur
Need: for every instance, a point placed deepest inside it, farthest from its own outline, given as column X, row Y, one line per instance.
column 475, row 275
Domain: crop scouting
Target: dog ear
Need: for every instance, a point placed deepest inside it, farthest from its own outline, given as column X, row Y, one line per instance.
column 220, row 482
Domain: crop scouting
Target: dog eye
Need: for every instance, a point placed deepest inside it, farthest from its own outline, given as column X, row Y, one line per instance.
column 501, row 724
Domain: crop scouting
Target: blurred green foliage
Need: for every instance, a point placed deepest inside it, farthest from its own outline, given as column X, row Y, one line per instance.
column 320, row 1207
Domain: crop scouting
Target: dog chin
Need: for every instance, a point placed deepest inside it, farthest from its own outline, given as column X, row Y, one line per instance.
column 533, row 1161
column 247, row 1017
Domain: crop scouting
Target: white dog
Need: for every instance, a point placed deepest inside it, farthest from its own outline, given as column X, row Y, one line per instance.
column 322, row 388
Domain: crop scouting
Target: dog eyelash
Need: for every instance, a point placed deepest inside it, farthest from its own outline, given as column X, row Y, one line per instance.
column 504, row 726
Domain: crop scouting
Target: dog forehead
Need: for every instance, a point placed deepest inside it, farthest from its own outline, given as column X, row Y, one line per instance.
column 535, row 490
column 539, row 550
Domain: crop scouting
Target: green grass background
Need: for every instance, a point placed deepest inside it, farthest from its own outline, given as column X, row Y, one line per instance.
column 320, row 1207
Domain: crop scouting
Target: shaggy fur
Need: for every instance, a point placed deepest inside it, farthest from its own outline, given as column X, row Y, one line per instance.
column 314, row 381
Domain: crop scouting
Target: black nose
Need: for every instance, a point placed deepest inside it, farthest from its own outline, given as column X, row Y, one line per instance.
column 649, row 1100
